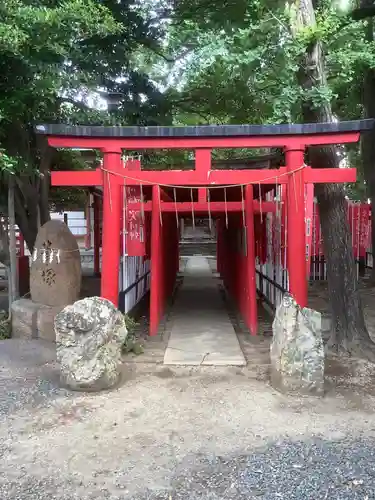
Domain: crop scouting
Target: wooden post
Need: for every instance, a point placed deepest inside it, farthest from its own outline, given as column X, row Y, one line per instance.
column 218, row 246
column 88, row 223
column 203, row 166
column 21, row 243
column 296, row 239
column 112, row 205
column 96, row 207
column 155, row 262
column 177, row 251
column 250, row 261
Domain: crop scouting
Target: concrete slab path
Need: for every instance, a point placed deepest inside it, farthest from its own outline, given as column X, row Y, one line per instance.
column 201, row 331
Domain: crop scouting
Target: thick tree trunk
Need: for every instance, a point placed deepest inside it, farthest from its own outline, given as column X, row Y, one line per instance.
column 27, row 212
column 31, row 190
column 12, row 275
column 45, row 167
column 349, row 331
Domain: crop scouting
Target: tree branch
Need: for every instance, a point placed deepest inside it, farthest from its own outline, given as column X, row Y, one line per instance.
column 78, row 104
column 170, row 60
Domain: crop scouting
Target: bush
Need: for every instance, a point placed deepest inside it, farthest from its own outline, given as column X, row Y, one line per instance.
column 5, row 325
column 131, row 343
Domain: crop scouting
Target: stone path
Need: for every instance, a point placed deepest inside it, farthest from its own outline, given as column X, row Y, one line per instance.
column 201, row 330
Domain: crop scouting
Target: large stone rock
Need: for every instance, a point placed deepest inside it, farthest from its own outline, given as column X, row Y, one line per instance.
column 55, row 275
column 297, row 351
column 33, row 321
column 89, row 339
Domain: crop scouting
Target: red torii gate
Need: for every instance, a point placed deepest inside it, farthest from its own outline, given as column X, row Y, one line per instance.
column 111, row 141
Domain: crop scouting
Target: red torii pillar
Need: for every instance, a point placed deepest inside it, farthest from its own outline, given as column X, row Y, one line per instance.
column 97, row 238
column 296, row 231
column 112, row 207
column 156, row 262
column 251, row 289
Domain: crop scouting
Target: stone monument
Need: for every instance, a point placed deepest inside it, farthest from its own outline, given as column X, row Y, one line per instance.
column 55, row 282
column 297, row 351
column 89, row 339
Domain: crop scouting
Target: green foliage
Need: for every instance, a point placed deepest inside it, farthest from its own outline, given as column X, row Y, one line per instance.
column 55, row 60
column 188, row 63
column 132, row 344
column 5, row 326
column 239, row 63
column 8, row 164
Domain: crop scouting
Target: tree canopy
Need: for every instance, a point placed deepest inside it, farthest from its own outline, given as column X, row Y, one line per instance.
column 56, row 60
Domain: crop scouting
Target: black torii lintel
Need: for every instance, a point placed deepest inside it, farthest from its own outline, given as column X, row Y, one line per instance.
column 205, row 130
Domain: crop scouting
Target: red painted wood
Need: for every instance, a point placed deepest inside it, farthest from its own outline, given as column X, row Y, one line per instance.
column 97, row 238
column 21, row 245
column 219, row 231
column 23, row 273
column 296, row 228
column 252, row 315
column 135, row 231
column 79, row 178
column 118, row 144
column 215, row 206
column 197, row 178
column 202, row 195
column 112, row 208
column 155, row 263
column 203, row 161
column 194, row 178
column 237, row 270
column 88, row 223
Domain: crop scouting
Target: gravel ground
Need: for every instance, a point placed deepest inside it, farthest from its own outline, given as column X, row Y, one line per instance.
column 202, row 433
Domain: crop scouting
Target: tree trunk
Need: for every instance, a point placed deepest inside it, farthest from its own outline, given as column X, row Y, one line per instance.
column 349, row 331
column 27, row 214
column 45, row 167
column 368, row 139
column 31, row 190
column 12, row 275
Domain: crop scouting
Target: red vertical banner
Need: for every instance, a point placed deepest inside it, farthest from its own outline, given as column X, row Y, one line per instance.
column 317, row 239
column 360, row 222
column 134, row 223
column 364, row 229
column 309, row 213
column 354, row 222
column 134, row 219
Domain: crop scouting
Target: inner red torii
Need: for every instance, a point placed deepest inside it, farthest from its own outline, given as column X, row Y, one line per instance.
column 113, row 175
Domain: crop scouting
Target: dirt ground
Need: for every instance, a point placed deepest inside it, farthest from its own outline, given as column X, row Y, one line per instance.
column 179, row 433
